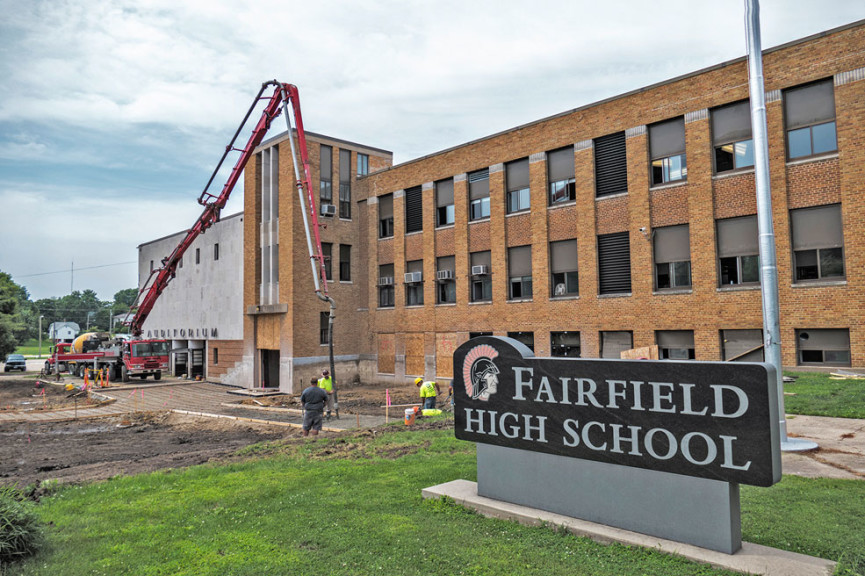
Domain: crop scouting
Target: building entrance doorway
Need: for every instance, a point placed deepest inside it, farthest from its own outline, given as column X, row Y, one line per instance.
column 197, row 363
column 180, row 363
column 269, row 368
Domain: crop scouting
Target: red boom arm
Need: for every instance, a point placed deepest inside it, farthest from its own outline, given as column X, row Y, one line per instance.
column 213, row 205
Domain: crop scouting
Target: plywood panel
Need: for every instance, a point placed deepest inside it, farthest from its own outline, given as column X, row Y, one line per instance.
column 386, row 352
column 445, row 346
column 414, row 356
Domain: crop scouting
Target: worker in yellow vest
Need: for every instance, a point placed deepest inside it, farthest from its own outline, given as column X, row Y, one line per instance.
column 428, row 392
column 326, row 384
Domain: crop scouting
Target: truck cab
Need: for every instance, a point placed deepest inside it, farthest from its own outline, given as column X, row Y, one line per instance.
column 142, row 358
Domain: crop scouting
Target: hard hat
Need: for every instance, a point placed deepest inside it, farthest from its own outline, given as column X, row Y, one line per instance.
column 418, row 380
column 325, row 373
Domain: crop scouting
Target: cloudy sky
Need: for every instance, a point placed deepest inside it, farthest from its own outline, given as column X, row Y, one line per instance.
column 114, row 113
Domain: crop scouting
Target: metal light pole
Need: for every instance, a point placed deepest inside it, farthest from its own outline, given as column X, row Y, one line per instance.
column 768, row 265
column 40, row 335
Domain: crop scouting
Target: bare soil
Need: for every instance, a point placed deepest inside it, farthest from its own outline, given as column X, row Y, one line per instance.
column 21, row 394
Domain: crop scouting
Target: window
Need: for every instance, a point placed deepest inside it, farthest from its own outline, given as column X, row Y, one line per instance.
column 362, row 164
column 823, row 347
column 563, row 268
column 414, row 283
column 479, row 334
column 675, row 344
column 344, row 263
column 413, row 210
column 385, row 286
column 517, row 174
column 325, row 192
column 179, row 265
column 479, row 194
column 818, row 243
column 560, row 172
column 809, row 116
column 446, row 286
column 520, row 272
column 611, row 165
column 672, row 257
column 481, row 282
column 385, row 216
column 527, row 338
column 198, row 255
column 323, row 328
column 742, row 345
column 268, row 288
column 216, row 251
column 738, row 251
column 614, row 343
column 731, row 137
column 151, row 265
column 614, row 263
column 344, row 183
column 215, row 356
column 667, row 148
column 327, row 252
column 565, row 344
column 445, row 202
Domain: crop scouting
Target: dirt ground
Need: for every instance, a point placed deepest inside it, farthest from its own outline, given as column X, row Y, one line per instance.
column 28, row 394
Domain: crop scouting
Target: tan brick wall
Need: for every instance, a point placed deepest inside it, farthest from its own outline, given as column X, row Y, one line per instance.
column 230, row 355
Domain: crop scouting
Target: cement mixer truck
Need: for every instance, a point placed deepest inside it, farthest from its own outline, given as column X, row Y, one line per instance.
column 124, row 358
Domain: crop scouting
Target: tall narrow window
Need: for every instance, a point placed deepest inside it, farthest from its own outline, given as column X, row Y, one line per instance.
column 344, row 183
column 215, row 356
column 809, row 116
column 268, row 226
column 481, row 282
column 385, row 286
column 446, row 291
column 563, row 268
column 667, row 147
column 323, row 328
column 731, row 137
column 327, row 252
column 413, row 209
column 827, row 347
column 742, row 345
column 444, row 202
column 198, row 255
column 414, row 283
column 675, row 344
column 614, row 263
column 613, row 343
column 216, row 251
column 738, row 251
column 362, row 164
column 560, row 173
column 818, row 243
column 565, row 344
column 344, row 263
column 385, row 216
column 611, row 165
column 520, row 273
column 326, row 172
column 672, row 257
column 479, row 194
column 517, row 175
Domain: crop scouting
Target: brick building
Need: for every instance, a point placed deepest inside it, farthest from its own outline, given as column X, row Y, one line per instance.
column 625, row 223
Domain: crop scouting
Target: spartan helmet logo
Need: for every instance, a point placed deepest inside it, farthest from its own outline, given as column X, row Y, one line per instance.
column 480, row 374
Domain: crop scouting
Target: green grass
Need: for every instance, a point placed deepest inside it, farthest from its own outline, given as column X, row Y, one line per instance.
column 31, row 348
column 817, row 395
column 353, row 506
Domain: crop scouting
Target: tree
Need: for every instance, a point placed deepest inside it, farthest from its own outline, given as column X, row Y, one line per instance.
column 125, row 297
column 10, row 315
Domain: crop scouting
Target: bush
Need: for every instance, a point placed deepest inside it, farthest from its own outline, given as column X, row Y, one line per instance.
column 20, row 532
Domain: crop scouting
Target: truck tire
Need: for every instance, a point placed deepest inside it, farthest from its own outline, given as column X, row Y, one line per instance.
column 47, row 367
column 124, row 374
column 69, row 367
column 82, row 369
column 157, row 376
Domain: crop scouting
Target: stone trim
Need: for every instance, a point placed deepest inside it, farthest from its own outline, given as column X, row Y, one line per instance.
column 773, row 96
column 696, row 115
column 850, row 76
column 399, row 194
column 537, row 157
column 372, row 200
column 583, row 145
column 635, row 131
column 426, row 186
column 497, row 168
column 460, row 177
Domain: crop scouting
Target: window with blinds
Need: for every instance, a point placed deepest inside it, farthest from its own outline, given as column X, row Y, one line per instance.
column 731, row 137
column 344, row 183
column 444, row 202
column 565, row 344
column 738, row 251
column 479, row 194
column 385, row 286
column 413, row 210
column 326, row 175
column 520, row 272
column 563, row 268
column 742, row 345
column 667, row 151
column 480, row 274
column 809, row 117
column 675, row 344
column 344, row 262
column 414, row 283
column 446, row 290
column 385, row 216
column 560, row 175
column 517, row 181
column 672, row 251
column 613, row 343
column 327, row 252
column 614, row 263
column 818, row 243
column 824, row 347
column 611, row 165
column 527, row 338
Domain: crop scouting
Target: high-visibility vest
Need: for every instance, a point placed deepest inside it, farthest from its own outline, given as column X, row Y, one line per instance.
column 326, row 384
column 428, row 389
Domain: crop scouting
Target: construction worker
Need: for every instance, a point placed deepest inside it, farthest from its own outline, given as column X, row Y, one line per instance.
column 312, row 400
column 326, row 384
column 428, row 392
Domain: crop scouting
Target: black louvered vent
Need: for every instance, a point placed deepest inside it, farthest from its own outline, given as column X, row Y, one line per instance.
column 614, row 263
column 413, row 209
column 611, row 165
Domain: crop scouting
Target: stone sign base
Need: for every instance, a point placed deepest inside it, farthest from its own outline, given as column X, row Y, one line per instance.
column 751, row 558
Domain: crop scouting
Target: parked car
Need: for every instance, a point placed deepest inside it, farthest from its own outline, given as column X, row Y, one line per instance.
column 15, row 362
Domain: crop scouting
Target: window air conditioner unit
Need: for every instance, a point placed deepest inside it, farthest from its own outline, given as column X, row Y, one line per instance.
column 328, row 210
column 445, row 275
column 413, row 277
column 480, row 270
column 385, row 281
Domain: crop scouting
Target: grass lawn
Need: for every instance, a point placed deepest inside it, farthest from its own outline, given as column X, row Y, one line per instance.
column 817, row 395
column 353, row 506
